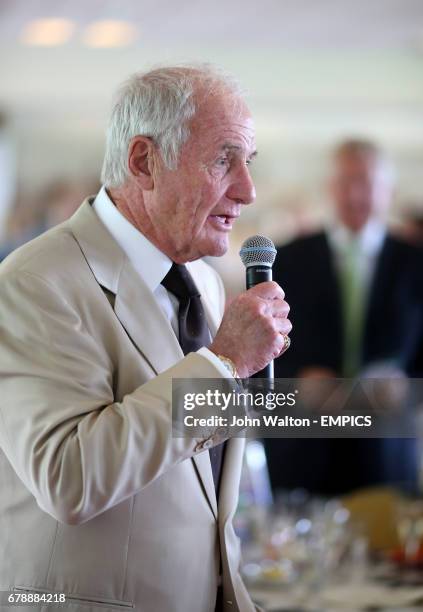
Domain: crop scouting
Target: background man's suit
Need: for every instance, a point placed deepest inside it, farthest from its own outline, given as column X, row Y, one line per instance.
column 102, row 504
column 393, row 331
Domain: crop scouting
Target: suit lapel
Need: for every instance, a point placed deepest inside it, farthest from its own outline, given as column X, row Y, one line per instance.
column 202, row 461
column 331, row 305
column 328, row 275
column 380, row 281
column 229, row 486
column 377, row 313
column 137, row 310
column 144, row 321
column 203, row 468
column 135, row 305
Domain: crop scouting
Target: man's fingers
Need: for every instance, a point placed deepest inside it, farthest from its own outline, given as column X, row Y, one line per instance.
column 283, row 326
column 268, row 291
column 279, row 309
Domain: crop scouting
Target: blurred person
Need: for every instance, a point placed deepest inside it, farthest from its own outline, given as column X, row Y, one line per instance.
column 357, row 310
column 412, row 231
column 58, row 200
column 31, row 216
column 412, row 225
column 98, row 316
column 7, row 173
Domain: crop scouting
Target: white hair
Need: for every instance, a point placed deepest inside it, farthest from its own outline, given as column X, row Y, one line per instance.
column 158, row 104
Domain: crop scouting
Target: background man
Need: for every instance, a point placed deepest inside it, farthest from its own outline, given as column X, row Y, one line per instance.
column 356, row 297
column 97, row 317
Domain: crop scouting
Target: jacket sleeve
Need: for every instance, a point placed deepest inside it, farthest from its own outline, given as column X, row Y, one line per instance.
column 77, row 450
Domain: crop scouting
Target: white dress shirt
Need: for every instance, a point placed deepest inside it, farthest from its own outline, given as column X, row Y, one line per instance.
column 149, row 262
column 369, row 245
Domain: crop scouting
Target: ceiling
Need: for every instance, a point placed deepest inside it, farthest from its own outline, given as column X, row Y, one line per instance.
column 315, row 70
column 299, row 24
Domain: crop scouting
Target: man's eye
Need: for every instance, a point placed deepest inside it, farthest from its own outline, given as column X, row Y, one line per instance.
column 222, row 162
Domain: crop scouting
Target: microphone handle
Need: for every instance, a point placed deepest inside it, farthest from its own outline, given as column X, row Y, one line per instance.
column 254, row 276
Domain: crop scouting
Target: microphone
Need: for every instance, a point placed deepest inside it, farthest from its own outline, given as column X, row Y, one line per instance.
column 258, row 255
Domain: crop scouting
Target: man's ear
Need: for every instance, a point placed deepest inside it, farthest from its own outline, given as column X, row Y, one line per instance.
column 141, row 160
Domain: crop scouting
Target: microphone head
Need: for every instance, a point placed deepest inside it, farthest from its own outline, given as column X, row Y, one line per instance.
column 258, row 251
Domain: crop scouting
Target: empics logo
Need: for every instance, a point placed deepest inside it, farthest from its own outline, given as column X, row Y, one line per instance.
column 344, row 420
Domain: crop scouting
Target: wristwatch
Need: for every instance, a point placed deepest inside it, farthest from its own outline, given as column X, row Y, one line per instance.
column 229, row 365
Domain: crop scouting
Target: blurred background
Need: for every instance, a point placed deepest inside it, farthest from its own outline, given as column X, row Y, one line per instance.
column 316, row 73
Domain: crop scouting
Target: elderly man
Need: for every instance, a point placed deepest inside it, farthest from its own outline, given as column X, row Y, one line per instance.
column 356, row 294
column 98, row 315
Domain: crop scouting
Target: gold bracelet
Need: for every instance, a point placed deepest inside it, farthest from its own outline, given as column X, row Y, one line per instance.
column 229, row 365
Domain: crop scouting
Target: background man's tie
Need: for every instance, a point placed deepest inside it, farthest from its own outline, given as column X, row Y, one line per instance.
column 193, row 334
column 352, row 292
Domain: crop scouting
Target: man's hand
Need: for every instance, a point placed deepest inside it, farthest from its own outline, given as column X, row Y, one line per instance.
column 252, row 329
column 317, row 372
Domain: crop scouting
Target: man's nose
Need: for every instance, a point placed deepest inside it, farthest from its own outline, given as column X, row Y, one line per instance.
column 242, row 189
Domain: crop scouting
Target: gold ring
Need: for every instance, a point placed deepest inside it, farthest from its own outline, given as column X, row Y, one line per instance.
column 286, row 342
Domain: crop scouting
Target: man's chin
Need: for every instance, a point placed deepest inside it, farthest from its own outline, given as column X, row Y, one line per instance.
column 220, row 248
column 357, row 225
column 215, row 248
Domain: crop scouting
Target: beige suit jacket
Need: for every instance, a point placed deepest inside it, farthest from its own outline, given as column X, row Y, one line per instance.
column 98, row 501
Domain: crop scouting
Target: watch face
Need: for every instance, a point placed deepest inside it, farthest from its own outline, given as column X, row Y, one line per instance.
column 229, row 365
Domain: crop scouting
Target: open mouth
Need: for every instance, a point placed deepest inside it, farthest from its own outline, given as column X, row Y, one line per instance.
column 223, row 219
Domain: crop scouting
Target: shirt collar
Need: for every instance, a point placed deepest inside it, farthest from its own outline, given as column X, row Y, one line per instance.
column 369, row 239
column 149, row 262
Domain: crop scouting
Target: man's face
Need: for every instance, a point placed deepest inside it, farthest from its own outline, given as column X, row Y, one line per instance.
column 192, row 209
column 360, row 189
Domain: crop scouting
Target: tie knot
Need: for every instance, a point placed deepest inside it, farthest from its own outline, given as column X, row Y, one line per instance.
column 352, row 248
column 180, row 282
